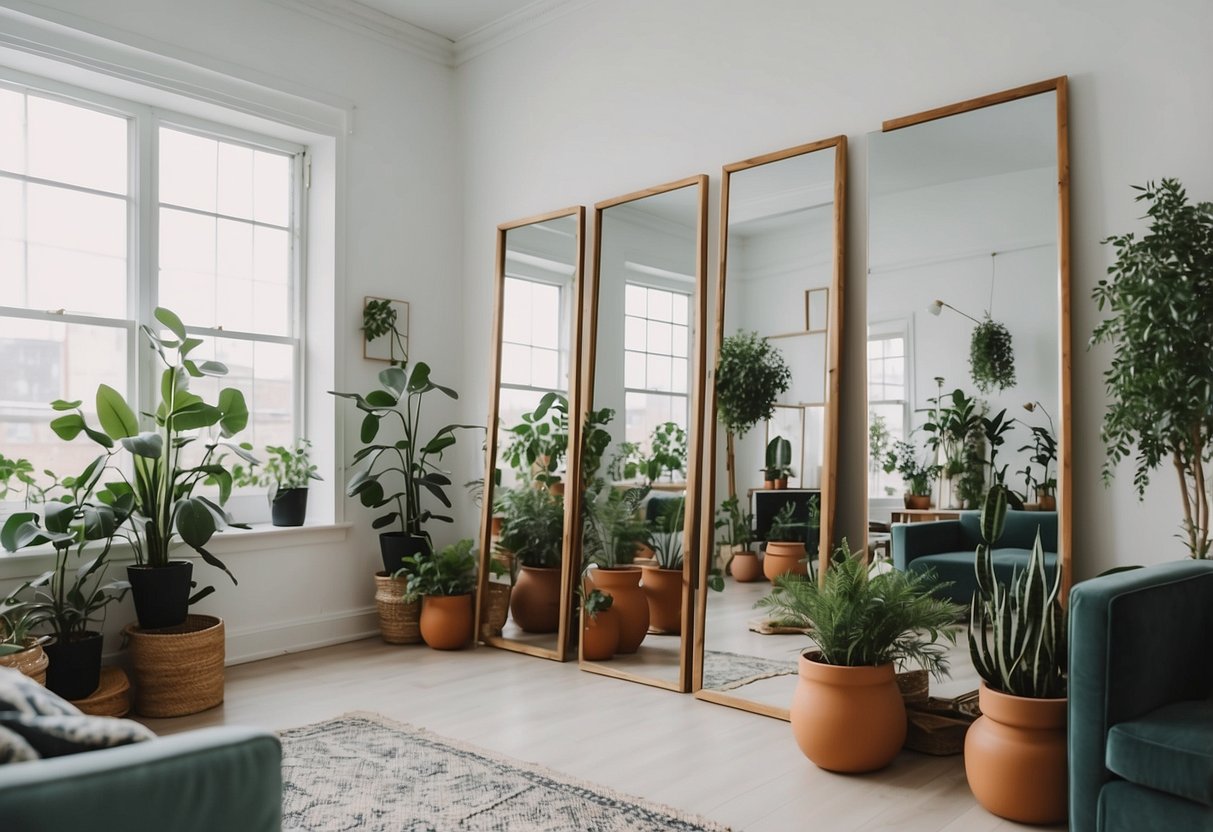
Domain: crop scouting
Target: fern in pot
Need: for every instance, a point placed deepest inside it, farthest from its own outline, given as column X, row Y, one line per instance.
column 1015, row 754
column 847, row 713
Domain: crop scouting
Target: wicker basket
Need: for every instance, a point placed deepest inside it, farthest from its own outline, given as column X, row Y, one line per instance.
column 495, row 611
column 938, row 726
column 112, row 697
column 32, row 662
column 399, row 622
column 914, row 686
column 177, row 670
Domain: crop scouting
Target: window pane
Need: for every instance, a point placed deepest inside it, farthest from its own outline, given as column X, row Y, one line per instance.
column 188, row 169
column 264, row 374
column 659, row 337
column 12, row 131
column 44, row 361
column 235, row 181
column 660, row 305
column 58, row 148
column 76, row 221
column 633, row 333
column 680, row 304
column 515, row 364
column 271, row 188
column 545, row 369
column 77, row 281
column 271, row 255
column 633, row 369
column 187, row 241
column 635, row 300
column 658, row 372
column 678, row 375
column 234, row 250
column 546, row 316
column 516, row 311
column 681, row 337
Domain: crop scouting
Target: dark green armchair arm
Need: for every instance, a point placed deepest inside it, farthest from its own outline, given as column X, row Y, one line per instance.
column 1138, row 640
column 200, row 781
column 912, row 540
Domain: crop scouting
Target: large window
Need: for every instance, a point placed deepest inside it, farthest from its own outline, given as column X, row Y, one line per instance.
column 888, row 402
column 109, row 209
column 656, row 372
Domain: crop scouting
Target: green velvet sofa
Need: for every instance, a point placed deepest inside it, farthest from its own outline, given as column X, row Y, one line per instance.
column 1141, row 700
column 948, row 548
column 201, row 781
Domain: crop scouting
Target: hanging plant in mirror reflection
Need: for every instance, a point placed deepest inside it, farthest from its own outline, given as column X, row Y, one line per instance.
column 991, row 356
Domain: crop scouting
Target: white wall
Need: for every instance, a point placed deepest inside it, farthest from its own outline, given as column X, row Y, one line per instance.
column 401, row 227
column 626, row 94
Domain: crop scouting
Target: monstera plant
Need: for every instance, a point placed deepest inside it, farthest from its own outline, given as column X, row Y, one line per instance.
column 150, row 500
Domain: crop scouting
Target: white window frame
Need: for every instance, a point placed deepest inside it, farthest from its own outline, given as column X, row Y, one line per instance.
column 883, row 331
column 563, row 336
column 690, row 325
column 143, row 207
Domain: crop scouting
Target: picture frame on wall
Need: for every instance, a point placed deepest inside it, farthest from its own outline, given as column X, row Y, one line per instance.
column 385, row 336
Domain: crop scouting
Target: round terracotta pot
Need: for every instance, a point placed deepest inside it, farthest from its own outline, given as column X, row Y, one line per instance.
column 781, row 483
column 918, row 502
column 769, row 485
column 535, row 601
column 848, row 719
column 497, row 522
column 1015, row 757
column 1047, row 502
column 557, row 488
column 447, row 621
column 663, row 591
column 631, row 607
column 745, row 567
column 782, row 557
column 600, row 638
column 31, row 661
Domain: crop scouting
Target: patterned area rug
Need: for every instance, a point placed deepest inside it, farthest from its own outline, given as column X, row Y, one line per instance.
column 365, row 772
column 728, row 671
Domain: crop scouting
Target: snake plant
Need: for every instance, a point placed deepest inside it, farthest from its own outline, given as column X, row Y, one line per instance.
column 1016, row 636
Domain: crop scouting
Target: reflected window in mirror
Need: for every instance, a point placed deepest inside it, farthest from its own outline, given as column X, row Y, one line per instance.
column 888, row 403
column 657, row 369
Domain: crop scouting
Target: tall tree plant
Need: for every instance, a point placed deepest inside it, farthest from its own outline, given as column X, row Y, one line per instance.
column 750, row 376
column 1159, row 300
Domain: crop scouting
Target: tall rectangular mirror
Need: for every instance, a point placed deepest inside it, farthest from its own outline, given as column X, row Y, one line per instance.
column 526, row 559
column 968, row 347
column 769, row 506
column 641, row 434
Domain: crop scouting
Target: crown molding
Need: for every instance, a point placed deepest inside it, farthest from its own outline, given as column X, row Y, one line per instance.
column 356, row 17
column 505, row 29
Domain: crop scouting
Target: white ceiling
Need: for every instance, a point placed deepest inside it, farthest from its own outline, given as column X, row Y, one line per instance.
column 452, row 19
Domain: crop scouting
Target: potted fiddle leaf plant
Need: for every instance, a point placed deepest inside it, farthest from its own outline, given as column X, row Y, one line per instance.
column 738, row 526
column 1015, row 753
column 539, row 443
column 153, row 497
column 751, row 373
column 662, row 581
column 445, row 583
column 611, row 533
column 396, row 472
column 847, row 713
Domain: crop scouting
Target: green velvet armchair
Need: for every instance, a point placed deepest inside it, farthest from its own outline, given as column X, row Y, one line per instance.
column 1141, row 700
column 201, row 781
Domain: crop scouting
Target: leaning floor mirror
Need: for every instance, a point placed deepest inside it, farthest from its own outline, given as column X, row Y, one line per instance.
column 641, row 436
column 526, row 563
column 772, row 416
column 968, row 337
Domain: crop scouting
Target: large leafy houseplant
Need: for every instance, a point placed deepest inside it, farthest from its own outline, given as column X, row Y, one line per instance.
column 1159, row 300
column 750, row 376
column 917, row 473
column 611, row 528
column 395, row 473
column 533, row 527
column 540, row 442
column 151, row 499
column 991, row 356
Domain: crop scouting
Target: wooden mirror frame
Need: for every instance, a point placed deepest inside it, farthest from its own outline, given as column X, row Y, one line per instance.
column 1065, row 480
column 572, row 505
column 695, row 417
column 829, row 474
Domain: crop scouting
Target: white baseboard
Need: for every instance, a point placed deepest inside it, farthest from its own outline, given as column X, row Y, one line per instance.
column 250, row 644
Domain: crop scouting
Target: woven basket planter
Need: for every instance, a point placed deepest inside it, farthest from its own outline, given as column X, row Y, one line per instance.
column 399, row 622
column 177, row 670
column 496, row 609
column 32, row 662
column 112, row 698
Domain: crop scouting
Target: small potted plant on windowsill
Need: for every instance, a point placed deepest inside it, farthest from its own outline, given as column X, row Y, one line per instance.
column 917, row 474
column 847, row 713
column 445, row 583
column 287, row 473
column 738, row 526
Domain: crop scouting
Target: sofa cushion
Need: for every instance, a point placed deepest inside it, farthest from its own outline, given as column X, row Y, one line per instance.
column 36, row 723
column 1018, row 532
column 957, row 568
column 1169, row 749
column 1125, row 807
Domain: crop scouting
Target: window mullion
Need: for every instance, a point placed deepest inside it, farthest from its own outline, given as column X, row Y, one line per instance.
column 146, row 267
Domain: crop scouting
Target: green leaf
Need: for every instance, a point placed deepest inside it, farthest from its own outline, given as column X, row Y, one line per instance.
column 171, row 322
column 189, row 345
column 149, row 444
column 215, row 562
column 116, row 417
column 195, row 523
column 419, row 381
column 195, row 416
column 68, row 427
column 395, row 380
column 212, row 368
column 370, row 428
column 100, row 438
column 61, row 405
column 235, row 411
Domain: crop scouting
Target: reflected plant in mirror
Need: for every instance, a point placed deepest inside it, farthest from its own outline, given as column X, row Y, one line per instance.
column 751, row 373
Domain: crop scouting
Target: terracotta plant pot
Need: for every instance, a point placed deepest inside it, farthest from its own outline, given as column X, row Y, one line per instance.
column 918, row 502
column 31, row 661
column 781, row 484
column 600, row 636
column 399, row 620
column 1047, row 502
column 782, row 557
column 769, row 485
column 663, row 591
column 497, row 523
column 848, row 719
column 447, row 621
column 535, row 601
column 1015, row 757
column 745, row 567
column 557, row 488
column 631, row 606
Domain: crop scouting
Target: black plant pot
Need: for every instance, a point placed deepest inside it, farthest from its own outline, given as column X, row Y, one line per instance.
column 396, row 546
column 74, row 671
column 162, row 594
column 289, row 507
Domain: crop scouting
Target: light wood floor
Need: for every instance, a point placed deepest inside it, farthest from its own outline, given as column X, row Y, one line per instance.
column 733, row 767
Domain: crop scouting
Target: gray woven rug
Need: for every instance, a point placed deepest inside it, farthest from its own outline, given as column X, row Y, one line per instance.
column 365, row 772
column 729, row 671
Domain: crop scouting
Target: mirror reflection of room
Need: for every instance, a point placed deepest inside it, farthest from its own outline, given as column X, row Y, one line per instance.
column 635, row 461
column 772, row 394
column 524, row 598
column 963, row 352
